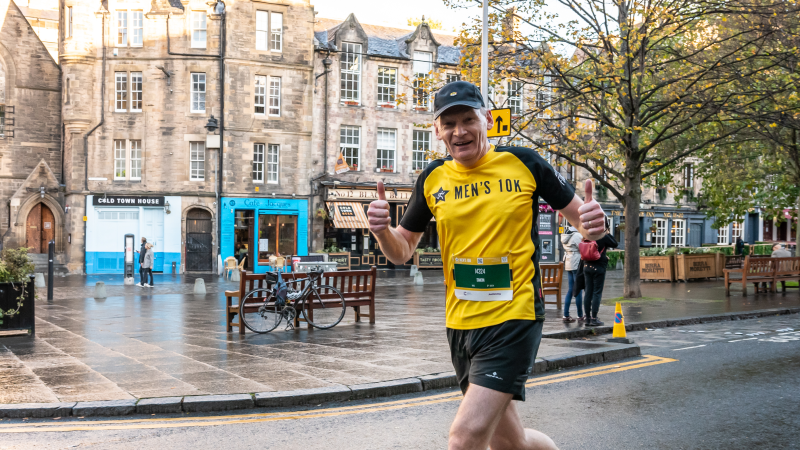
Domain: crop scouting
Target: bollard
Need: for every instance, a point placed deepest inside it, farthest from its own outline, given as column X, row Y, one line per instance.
column 174, row 268
column 413, row 270
column 100, row 290
column 199, row 286
column 51, row 253
column 418, row 279
column 619, row 264
column 128, row 281
column 234, row 275
column 39, row 281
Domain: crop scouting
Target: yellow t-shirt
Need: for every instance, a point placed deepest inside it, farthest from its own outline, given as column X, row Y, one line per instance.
column 487, row 219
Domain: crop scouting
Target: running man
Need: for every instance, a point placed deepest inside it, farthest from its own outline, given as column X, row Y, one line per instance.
column 486, row 203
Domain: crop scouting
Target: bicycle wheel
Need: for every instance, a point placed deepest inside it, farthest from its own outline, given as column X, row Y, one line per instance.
column 260, row 314
column 324, row 307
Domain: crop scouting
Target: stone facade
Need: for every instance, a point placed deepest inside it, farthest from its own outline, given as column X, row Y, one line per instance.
column 30, row 141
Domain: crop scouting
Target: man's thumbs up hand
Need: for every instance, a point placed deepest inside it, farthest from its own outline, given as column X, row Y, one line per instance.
column 378, row 212
column 592, row 215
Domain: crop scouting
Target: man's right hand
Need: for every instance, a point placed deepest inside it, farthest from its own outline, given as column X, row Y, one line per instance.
column 378, row 213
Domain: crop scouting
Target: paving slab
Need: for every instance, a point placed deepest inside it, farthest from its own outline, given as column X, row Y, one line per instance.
column 297, row 397
column 204, row 403
column 36, row 410
column 104, row 408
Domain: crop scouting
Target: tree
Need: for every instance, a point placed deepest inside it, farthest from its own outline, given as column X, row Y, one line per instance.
column 432, row 23
column 617, row 90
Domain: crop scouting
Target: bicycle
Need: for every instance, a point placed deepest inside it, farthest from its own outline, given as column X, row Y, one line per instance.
column 322, row 306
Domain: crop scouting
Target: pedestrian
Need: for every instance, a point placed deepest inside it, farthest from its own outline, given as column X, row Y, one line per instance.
column 739, row 248
column 572, row 261
column 778, row 251
column 486, row 203
column 594, row 273
column 147, row 264
column 141, row 253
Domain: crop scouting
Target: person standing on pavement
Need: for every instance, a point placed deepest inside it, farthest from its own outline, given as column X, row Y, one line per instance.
column 141, row 253
column 594, row 273
column 485, row 201
column 572, row 260
column 147, row 266
column 739, row 248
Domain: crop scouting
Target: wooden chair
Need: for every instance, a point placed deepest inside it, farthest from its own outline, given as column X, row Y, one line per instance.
column 551, row 276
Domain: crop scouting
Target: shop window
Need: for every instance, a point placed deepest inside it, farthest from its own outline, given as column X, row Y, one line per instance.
column 197, row 161
column 678, row 233
column 660, row 235
column 421, row 144
column 277, row 235
column 387, row 143
column 387, row 85
column 198, row 92
column 515, row 97
column 198, row 29
column 258, row 163
column 350, row 67
column 350, row 144
column 275, row 96
column 261, row 95
column 722, row 236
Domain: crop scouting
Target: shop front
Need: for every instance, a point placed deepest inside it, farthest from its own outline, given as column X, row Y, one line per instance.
column 110, row 217
column 255, row 229
column 347, row 227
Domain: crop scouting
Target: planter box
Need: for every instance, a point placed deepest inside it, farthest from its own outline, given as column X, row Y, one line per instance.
column 9, row 295
column 428, row 260
column 688, row 267
column 342, row 260
column 657, row 268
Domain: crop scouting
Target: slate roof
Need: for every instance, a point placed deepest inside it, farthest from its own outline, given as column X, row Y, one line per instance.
column 387, row 41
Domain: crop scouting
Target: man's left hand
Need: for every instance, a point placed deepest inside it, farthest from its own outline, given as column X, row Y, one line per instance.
column 592, row 216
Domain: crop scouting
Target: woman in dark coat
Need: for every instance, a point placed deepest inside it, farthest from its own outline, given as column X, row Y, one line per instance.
column 594, row 273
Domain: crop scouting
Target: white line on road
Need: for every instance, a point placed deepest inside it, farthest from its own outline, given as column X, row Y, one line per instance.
column 746, row 339
column 687, row 348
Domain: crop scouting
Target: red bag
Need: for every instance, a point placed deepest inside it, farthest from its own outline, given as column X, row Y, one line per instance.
column 589, row 250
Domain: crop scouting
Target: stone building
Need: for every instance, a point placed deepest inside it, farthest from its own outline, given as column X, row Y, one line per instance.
column 141, row 83
column 43, row 17
column 367, row 111
column 31, row 174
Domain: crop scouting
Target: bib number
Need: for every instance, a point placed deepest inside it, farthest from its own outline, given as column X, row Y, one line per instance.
column 483, row 279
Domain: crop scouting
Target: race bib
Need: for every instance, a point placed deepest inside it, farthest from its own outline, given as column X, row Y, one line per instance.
column 483, row 279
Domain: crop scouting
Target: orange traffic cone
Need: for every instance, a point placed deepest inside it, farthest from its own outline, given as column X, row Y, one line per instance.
column 618, row 334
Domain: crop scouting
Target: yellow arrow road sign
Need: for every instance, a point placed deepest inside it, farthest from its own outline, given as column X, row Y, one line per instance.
column 502, row 123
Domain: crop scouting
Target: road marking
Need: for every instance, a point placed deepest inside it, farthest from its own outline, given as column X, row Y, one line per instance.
column 687, row 348
column 183, row 422
column 745, row 339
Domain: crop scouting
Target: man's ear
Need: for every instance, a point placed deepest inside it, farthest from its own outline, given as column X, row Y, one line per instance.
column 489, row 120
column 436, row 129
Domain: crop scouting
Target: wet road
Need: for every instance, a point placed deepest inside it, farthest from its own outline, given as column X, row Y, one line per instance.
column 703, row 387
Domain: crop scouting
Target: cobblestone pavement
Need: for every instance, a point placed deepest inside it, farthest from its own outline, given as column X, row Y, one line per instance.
column 165, row 341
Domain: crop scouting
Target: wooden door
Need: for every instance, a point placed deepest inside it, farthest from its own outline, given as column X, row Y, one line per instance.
column 48, row 227
column 33, row 230
column 198, row 240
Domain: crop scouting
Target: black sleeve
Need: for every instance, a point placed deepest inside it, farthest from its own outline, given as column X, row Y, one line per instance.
column 551, row 186
column 606, row 242
column 418, row 214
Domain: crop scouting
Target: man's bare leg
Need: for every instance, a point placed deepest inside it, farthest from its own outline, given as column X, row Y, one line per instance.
column 510, row 434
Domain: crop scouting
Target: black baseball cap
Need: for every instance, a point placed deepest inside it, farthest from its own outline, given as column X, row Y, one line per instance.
column 455, row 94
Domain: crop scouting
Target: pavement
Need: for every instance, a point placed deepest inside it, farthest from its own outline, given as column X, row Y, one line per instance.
column 698, row 386
column 169, row 347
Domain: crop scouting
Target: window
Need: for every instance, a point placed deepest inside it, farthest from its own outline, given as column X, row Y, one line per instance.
column 276, row 32
column 542, row 102
column 258, row 163
column 280, row 234
column 272, row 163
column 198, row 29
column 197, row 161
column 387, row 142
column 136, row 91
column 660, row 235
column 515, row 97
column 127, row 160
column 69, row 21
column 350, row 66
column 118, row 215
column 350, row 143
column 688, row 176
column 387, row 85
column 198, row 92
column 261, row 94
column 421, row 143
column 122, row 28
column 678, row 233
column 722, row 236
column 262, row 27
column 2, row 120
column 737, row 231
column 422, row 69
column 137, row 28
column 121, row 89
column 451, row 77
column 274, row 96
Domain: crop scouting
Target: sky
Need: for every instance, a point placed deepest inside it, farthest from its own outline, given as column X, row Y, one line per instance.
column 394, row 13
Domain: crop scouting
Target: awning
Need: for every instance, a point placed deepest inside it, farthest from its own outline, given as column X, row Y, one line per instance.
column 348, row 215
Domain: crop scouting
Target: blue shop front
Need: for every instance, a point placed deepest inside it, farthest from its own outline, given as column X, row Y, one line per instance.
column 253, row 229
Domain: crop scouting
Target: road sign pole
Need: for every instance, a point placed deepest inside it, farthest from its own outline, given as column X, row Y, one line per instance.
column 485, row 54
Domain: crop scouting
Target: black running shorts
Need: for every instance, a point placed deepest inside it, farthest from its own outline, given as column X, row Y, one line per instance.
column 499, row 357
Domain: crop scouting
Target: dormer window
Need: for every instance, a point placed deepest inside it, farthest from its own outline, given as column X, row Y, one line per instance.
column 350, row 66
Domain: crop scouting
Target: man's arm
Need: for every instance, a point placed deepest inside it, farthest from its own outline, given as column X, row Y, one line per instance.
column 587, row 217
column 398, row 244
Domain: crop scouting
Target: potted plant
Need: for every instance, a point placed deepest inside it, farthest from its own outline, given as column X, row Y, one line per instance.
column 695, row 263
column 656, row 263
column 428, row 258
column 16, row 290
column 350, row 103
column 421, row 108
column 339, row 255
column 387, row 105
column 387, row 170
column 321, row 213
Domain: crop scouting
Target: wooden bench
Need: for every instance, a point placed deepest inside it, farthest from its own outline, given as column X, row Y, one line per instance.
column 357, row 287
column 551, row 276
column 787, row 269
column 754, row 270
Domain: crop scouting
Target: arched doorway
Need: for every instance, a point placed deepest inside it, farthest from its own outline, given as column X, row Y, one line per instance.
column 198, row 240
column 39, row 228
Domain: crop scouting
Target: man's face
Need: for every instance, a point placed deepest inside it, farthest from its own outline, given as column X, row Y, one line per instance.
column 463, row 132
